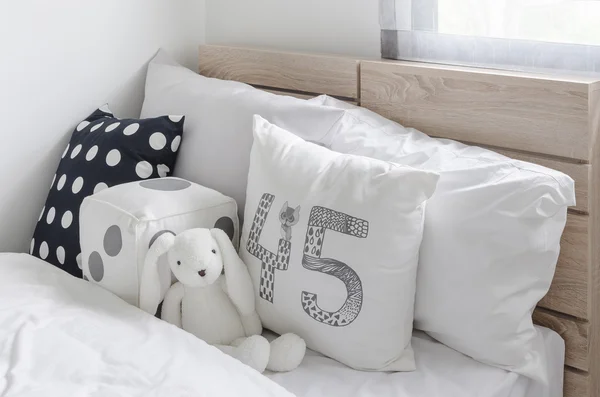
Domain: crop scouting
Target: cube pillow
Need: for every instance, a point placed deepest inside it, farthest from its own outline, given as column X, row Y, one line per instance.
column 118, row 225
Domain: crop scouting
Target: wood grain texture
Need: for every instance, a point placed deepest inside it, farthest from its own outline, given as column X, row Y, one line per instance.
column 299, row 95
column 594, row 240
column 577, row 384
column 287, row 93
column 569, row 291
column 318, row 74
column 523, row 112
column 579, row 173
column 574, row 332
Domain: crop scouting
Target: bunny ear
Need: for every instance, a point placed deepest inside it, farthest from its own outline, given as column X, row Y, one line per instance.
column 237, row 278
column 150, row 289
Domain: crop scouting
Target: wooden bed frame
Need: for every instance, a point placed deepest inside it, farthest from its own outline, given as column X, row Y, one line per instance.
column 550, row 120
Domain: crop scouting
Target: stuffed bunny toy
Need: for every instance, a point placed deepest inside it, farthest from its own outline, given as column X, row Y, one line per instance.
column 214, row 299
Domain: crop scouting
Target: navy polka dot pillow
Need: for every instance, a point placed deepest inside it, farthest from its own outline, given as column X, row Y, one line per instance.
column 103, row 152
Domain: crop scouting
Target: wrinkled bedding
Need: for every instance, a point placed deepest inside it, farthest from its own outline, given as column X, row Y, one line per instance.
column 441, row 372
column 61, row 336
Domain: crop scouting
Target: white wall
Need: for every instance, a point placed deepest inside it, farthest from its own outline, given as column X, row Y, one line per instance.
column 329, row 26
column 59, row 61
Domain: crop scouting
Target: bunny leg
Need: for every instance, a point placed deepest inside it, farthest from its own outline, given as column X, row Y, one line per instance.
column 229, row 350
column 287, row 352
column 253, row 351
column 238, row 341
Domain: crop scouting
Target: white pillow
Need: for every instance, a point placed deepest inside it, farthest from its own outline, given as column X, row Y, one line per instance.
column 491, row 241
column 332, row 243
column 218, row 127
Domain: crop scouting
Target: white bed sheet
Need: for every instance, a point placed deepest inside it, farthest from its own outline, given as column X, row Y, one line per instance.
column 60, row 336
column 441, row 372
column 63, row 337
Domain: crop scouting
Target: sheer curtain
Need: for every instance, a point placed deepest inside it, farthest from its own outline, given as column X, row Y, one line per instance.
column 507, row 34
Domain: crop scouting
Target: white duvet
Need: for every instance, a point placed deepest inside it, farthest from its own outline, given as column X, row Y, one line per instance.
column 60, row 336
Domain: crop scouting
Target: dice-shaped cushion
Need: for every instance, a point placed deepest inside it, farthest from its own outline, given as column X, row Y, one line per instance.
column 118, row 225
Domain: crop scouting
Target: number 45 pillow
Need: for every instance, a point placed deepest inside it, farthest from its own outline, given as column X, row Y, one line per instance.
column 332, row 244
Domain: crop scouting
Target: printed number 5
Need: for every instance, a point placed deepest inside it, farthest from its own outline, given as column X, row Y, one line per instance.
column 322, row 219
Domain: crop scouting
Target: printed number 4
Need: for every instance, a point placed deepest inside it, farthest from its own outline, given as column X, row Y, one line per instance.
column 269, row 260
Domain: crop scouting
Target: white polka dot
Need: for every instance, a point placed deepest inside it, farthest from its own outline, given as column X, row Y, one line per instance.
column 175, row 119
column 44, row 250
column 66, row 150
column 60, row 255
column 32, row 246
column 51, row 215
column 91, row 154
column 131, row 129
column 163, row 170
column 82, row 125
column 100, row 187
column 61, row 182
column 77, row 185
column 42, row 214
column 67, row 219
column 175, row 144
column 53, row 180
column 158, row 141
column 78, row 260
column 76, row 151
column 143, row 169
column 104, row 108
column 112, row 127
column 113, row 158
column 97, row 127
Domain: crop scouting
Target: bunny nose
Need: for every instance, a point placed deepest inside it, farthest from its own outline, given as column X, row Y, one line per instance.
column 202, row 273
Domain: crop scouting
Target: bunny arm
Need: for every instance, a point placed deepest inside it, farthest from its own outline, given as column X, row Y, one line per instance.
column 251, row 322
column 171, row 309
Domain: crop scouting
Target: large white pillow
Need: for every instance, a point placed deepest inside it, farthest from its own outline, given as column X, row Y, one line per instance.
column 491, row 241
column 332, row 244
column 215, row 151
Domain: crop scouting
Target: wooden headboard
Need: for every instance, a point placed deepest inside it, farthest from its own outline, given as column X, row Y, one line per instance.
column 549, row 120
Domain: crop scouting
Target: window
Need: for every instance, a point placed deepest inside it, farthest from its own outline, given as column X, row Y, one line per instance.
column 513, row 34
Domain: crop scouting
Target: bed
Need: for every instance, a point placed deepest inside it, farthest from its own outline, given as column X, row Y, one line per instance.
column 62, row 336
column 553, row 121
column 93, row 343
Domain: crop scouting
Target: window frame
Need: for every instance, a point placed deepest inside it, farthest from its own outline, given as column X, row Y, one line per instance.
column 413, row 36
